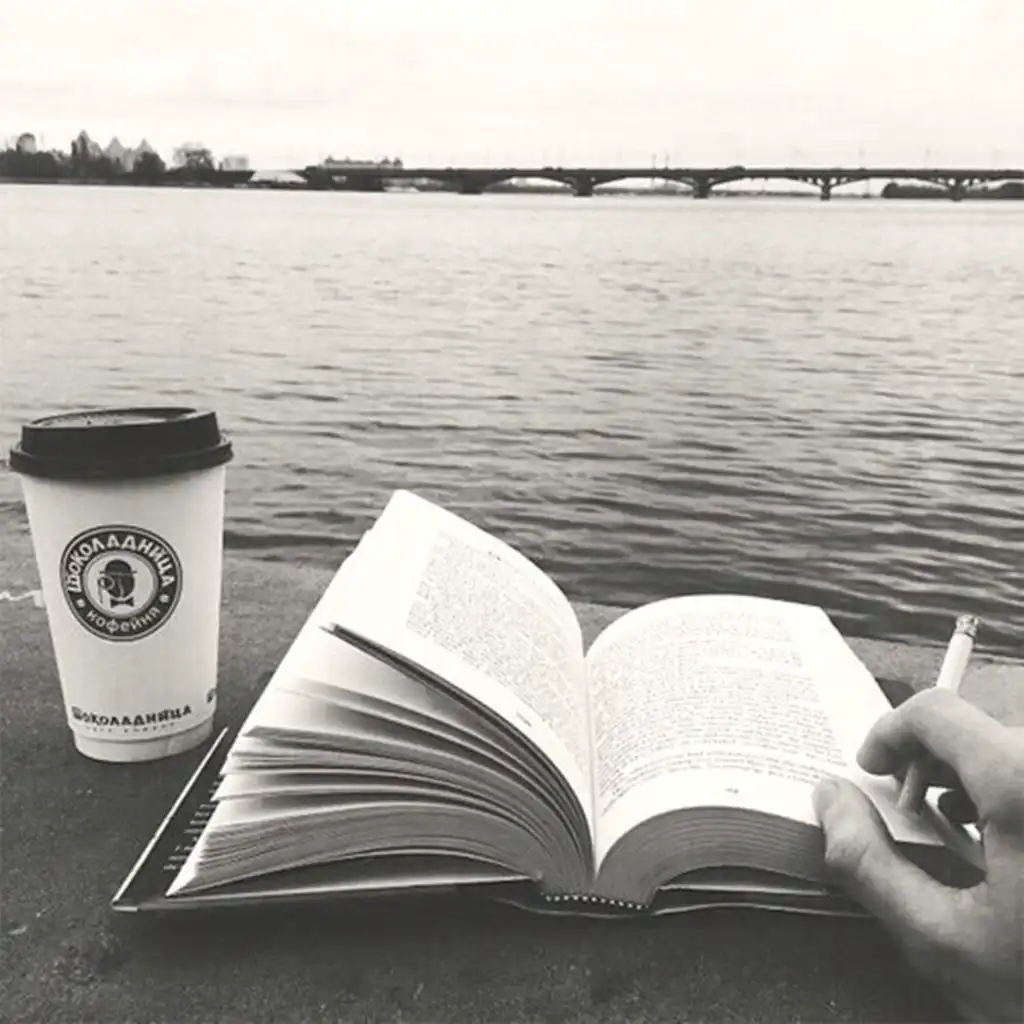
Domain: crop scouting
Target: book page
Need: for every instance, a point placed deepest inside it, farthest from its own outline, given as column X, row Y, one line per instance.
column 473, row 612
column 340, row 674
column 725, row 701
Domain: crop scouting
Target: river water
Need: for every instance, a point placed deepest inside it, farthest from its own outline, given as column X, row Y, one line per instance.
column 647, row 396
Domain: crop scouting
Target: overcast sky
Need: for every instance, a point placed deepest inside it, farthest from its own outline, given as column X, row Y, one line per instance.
column 526, row 82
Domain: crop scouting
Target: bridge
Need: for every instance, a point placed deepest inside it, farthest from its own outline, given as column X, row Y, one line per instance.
column 701, row 180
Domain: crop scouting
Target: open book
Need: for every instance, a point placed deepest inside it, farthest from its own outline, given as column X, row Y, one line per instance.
column 437, row 723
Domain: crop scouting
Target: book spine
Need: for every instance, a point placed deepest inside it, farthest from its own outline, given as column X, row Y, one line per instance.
column 163, row 830
column 190, row 835
column 600, row 901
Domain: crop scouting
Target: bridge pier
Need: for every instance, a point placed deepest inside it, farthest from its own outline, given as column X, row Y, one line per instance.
column 958, row 187
column 582, row 187
column 470, row 188
column 702, row 188
column 826, row 185
column 319, row 179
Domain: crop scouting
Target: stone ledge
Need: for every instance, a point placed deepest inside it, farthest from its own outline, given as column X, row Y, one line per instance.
column 75, row 827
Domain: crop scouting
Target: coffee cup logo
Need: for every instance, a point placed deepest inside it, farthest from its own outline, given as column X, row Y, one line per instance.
column 117, row 580
column 120, row 582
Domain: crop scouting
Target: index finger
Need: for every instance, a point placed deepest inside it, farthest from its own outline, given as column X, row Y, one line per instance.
column 942, row 724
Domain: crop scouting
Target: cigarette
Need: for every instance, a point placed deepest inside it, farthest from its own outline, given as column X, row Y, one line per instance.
column 951, row 675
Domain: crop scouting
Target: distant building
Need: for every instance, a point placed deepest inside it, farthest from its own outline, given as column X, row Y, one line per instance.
column 120, row 155
column 86, row 146
column 124, row 156
column 193, row 155
column 235, row 163
column 26, row 143
column 84, row 150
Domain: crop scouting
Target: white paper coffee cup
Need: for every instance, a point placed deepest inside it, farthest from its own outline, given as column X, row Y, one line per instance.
column 126, row 511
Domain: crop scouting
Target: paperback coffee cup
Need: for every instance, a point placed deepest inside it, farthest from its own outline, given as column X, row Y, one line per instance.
column 126, row 511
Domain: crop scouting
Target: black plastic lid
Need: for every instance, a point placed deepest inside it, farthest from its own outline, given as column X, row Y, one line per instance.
column 113, row 444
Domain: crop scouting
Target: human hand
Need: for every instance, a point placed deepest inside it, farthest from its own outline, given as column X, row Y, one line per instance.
column 969, row 941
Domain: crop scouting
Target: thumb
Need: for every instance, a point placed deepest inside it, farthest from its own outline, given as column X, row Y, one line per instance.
column 862, row 859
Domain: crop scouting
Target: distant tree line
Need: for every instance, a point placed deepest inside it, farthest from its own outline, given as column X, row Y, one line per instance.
column 193, row 163
column 918, row 190
column 14, row 163
column 79, row 164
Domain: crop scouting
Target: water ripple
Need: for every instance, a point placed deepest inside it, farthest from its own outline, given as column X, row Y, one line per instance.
column 799, row 400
